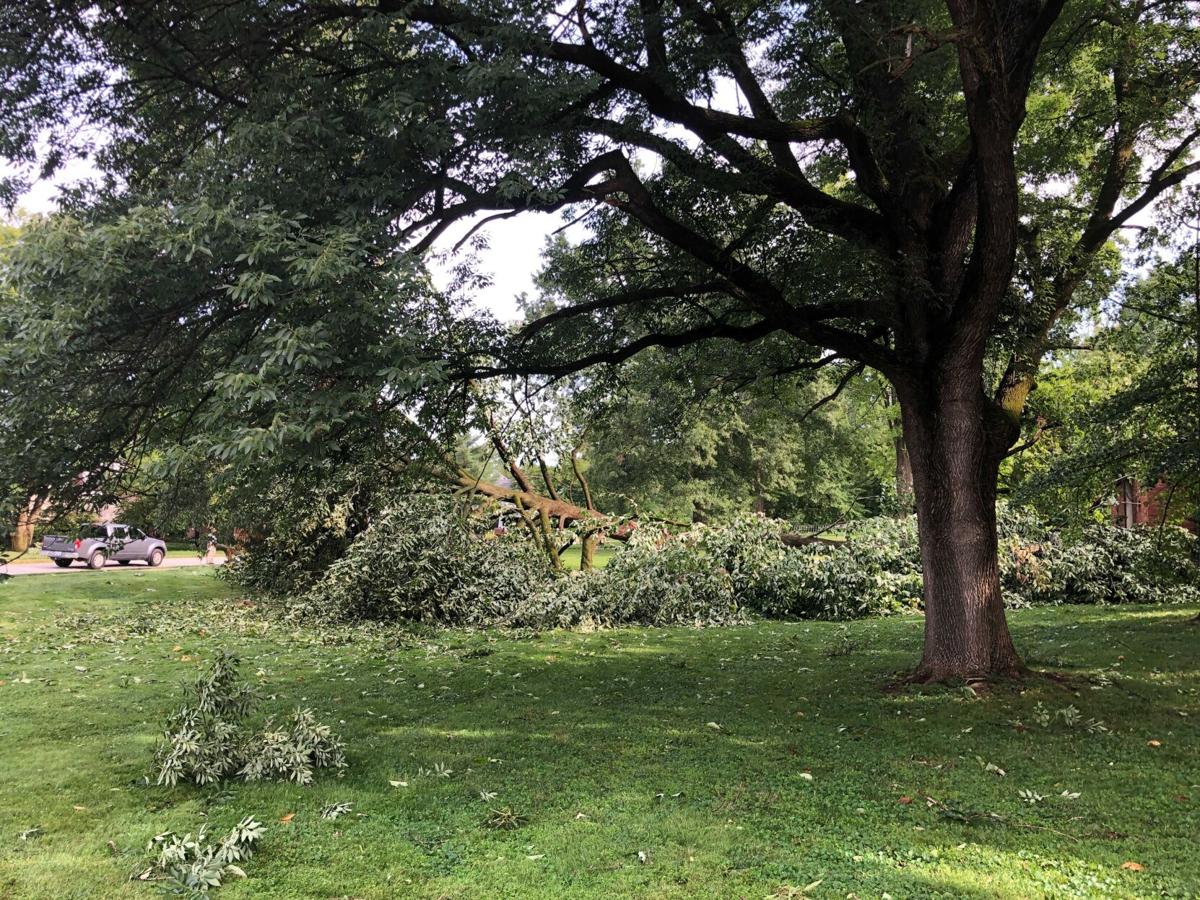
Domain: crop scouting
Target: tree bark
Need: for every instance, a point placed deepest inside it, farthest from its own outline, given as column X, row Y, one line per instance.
column 955, row 445
column 1196, row 325
column 27, row 519
column 587, row 557
column 22, row 535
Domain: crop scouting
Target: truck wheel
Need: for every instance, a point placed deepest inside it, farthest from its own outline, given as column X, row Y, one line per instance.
column 97, row 560
column 156, row 558
column 63, row 563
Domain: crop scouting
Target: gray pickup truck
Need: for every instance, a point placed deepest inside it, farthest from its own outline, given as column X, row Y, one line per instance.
column 100, row 543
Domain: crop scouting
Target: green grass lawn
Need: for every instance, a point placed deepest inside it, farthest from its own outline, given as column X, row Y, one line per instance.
column 572, row 555
column 33, row 556
column 742, row 762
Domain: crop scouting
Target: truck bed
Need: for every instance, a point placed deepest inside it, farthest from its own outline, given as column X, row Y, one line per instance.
column 55, row 545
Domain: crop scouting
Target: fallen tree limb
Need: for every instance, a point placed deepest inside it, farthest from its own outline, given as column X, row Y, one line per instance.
column 569, row 512
column 795, row 539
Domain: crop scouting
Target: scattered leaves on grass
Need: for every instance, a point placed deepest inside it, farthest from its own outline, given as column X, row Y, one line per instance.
column 287, row 818
column 1132, row 866
column 949, row 809
column 439, row 770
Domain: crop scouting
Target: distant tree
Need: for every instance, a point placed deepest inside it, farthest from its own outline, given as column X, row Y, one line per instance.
column 18, row 509
column 1127, row 405
column 678, row 434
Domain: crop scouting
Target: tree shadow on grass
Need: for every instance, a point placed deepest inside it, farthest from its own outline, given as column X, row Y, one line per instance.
column 684, row 737
column 740, row 761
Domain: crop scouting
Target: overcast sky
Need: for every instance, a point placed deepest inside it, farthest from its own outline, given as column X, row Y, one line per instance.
column 512, row 257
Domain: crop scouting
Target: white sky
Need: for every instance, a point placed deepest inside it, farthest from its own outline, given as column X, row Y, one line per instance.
column 512, row 258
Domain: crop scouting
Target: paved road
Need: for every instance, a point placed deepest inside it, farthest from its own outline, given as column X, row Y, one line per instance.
column 49, row 568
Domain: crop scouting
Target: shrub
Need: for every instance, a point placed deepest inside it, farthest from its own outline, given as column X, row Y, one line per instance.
column 207, row 740
column 878, row 570
column 293, row 752
column 1124, row 565
column 747, row 548
column 302, row 539
column 424, row 561
column 201, row 742
column 1027, row 548
column 292, row 527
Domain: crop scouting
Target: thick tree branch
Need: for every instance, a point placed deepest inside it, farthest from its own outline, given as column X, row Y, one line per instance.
column 624, row 298
column 739, row 333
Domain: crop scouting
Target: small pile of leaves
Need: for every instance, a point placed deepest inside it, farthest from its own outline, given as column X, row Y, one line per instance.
column 207, row 739
column 193, row 865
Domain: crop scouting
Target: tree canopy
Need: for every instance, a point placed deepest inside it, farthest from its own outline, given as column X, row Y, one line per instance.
column 930, row 190
column 685, row 439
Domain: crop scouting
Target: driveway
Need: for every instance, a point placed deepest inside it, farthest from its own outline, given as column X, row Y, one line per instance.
column 49, row 568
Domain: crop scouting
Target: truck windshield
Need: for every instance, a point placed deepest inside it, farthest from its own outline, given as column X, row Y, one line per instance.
column 93, row 531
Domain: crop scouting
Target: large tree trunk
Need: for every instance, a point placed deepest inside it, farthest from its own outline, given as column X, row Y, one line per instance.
column 955, row 455
column 27, row 520
column 21, row 537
